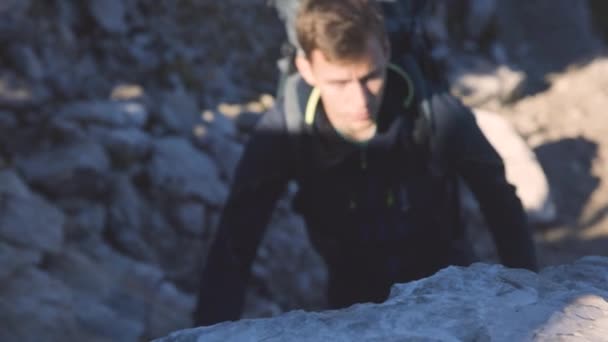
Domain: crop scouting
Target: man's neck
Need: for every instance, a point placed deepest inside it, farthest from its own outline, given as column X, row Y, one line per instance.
column 360, row 136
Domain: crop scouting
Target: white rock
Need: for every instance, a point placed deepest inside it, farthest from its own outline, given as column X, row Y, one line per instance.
column 522, row 168
column 478, row 303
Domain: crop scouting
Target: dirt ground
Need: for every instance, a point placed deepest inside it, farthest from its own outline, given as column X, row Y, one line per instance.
column 567, row 127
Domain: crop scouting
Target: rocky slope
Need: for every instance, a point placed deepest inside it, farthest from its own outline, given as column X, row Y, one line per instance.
column 121, row 122
column 479, row 303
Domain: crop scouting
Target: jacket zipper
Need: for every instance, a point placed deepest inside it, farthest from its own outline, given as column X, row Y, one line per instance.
column 363, row 158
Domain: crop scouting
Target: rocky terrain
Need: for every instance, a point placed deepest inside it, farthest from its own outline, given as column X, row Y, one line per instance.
column 479, row 303
column 122, row 120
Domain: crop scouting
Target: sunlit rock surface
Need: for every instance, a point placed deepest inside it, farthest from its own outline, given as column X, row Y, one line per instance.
column 479, row 303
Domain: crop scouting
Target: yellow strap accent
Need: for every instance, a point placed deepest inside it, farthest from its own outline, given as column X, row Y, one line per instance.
column 311, row 106
column 390, row 198
column 410, row 84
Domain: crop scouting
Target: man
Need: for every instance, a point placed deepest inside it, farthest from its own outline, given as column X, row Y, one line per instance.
column 376, row 157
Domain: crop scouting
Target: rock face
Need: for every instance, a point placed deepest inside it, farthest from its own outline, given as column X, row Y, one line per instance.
column 478, row 303
column 117, row 146
column 521, row 166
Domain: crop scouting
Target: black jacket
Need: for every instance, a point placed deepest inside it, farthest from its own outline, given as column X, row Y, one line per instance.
column 385, row 212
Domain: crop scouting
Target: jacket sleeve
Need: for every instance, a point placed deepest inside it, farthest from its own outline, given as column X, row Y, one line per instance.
column 477, row 162
column 259, row 180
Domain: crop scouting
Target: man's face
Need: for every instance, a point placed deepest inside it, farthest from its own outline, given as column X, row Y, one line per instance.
column 351, row 91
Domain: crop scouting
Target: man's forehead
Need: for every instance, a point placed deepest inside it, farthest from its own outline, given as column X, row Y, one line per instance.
column 375, row 53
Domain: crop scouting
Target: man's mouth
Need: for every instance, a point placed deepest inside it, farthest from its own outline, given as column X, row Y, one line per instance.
column 362, row 116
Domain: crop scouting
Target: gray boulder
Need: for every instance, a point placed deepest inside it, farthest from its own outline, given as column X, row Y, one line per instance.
column 84, row 219
column 131, row 300
column 105, row 113
column 110, row 15
column 31, row 222
column 127, row 215
column 11, row 184
column 178, row 170
column 478, row 303
column 178, row 112
column 73, row 169
column 14, row 259
column 7, row 120
column 125, row 145
column 190, row 217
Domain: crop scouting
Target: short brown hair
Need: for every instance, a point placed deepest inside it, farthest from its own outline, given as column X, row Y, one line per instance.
column 338, row 28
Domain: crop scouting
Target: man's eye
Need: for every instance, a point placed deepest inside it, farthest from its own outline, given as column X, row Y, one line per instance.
column 374, row 76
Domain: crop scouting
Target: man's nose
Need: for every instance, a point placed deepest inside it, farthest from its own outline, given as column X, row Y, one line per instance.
column 360, row 95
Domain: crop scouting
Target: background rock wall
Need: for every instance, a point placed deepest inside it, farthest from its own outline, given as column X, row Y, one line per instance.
column 120, row 125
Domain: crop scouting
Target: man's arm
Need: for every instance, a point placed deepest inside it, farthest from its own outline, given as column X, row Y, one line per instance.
column 483, row 170
column 260, row 178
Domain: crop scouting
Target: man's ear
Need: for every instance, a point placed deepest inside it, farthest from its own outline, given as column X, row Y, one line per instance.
column 304, row 67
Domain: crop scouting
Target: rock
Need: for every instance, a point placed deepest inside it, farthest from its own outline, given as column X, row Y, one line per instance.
column 522, row 168
column 178, row 112
column 24, row 57
column 72, row 169
column 106, row 113
column 478, row 303
column 178, row 170
column 110, row 15
column 481, row 15
column 15, row 8
column 169, row 309
column 246, row 121
column 274, row 270
column 481, row 83
column 100, row 322
column 34, row 305
column 537, row 42
column 132, row 299
column 126, row 219
column 219, row 123
column 17, row 94
column 84, row 219
column 218, row 136
column 126, row 92
column 7, row 120
column 66, row 130
column 14, row 259
column 139, row 229
column 42, row 231
column 225, row 152
column 12, row 185
column 190, row 217
column 126, row 145
column 33, row 297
